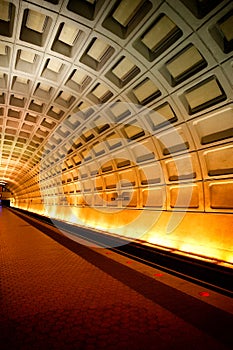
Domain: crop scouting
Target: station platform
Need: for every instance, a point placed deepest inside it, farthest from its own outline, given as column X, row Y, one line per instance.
column 70, row 296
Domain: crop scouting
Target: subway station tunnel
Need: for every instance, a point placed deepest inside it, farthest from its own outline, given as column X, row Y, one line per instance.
column 116, row 117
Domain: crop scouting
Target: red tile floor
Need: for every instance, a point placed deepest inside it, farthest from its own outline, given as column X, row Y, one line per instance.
column 58, row 294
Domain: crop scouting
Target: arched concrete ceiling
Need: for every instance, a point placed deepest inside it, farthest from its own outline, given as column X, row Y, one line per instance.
column 127, row 103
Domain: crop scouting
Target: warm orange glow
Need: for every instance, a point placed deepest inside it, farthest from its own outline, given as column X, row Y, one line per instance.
column 206, row 235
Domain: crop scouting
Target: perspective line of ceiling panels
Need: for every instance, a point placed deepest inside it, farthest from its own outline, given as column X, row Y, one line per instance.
column 128, row 103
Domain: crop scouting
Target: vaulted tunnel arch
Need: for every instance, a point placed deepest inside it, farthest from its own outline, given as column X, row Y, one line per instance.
column 117, row 115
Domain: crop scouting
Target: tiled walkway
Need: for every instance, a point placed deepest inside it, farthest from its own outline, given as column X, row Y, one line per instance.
column 71, row 297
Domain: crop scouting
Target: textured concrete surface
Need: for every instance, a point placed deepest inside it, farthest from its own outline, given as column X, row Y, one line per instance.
column 56, row 296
